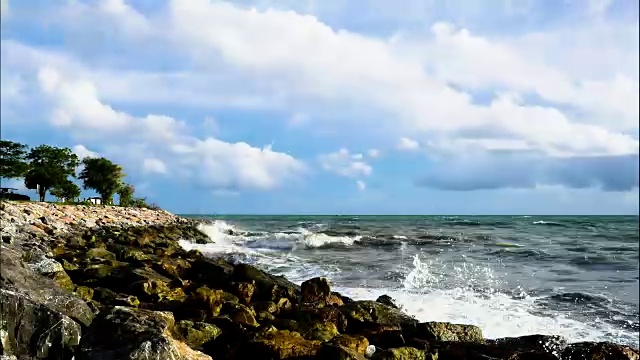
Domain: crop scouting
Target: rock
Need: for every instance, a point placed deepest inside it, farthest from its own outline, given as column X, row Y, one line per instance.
column 312, row 314
column 85, row 293
column 268, row 287
column 355, row 343
column 244, row 291
column 387, row 300
column 599, row 351
column 240, row 314
column 33, row 330
column 530, row 343
column 196, row 334
column 280, row 344
column 318, row 331
column 264, row 316
column 268, row 306
column 315, row 290
column 285, row 324
column 384, row 336
column 127, row 333
column 16, row 276
column 442, row 331
column 404, row 353
column 205, row 303
column 111, row 298
column 363, row 314
column 100, row 253
column 211, row 272
column 336, row 352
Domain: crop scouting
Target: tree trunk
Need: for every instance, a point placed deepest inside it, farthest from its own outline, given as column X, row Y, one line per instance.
column 42, row 192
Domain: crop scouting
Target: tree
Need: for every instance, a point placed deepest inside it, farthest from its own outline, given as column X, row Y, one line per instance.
column 125, row 192
column 49, row 167
column 66, row 190
column 13, row 163
column 103, row 176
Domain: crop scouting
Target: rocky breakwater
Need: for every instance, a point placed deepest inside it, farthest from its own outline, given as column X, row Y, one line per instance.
column 129, row 291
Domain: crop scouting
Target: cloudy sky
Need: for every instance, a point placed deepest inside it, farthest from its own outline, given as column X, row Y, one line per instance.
column 334, row 106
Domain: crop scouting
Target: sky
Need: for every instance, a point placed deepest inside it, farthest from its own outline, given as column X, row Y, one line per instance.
column 336, row 107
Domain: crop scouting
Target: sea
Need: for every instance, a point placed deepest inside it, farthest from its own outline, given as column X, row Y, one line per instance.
column 575, row 276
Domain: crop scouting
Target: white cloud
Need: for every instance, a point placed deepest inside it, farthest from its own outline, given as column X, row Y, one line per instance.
column 82, row 152
column 154, row 166
column 159, row 141
column 373, row 153
column 408, row 144
column 362, row 186
column 343, row 163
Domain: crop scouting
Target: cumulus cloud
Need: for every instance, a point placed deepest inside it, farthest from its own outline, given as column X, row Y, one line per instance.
column 408, row 144
column 82, row 152
column 530, row 170
column 373, row 153
column 161, row 142
column 343, row 163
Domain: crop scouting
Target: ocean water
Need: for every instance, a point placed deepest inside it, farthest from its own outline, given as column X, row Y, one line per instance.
column 510, row 275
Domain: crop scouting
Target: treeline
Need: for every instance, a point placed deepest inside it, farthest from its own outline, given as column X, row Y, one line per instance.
column 50, row 169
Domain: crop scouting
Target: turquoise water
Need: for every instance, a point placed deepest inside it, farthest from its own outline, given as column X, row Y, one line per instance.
column 571, row 275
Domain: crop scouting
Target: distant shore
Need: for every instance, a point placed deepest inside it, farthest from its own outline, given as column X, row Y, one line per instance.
column 110, row 282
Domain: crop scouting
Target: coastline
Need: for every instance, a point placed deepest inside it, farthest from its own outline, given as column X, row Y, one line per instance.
column 110, row 282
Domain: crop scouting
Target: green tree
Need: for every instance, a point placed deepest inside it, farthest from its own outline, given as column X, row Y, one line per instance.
column 103, row 176
column 125, row 192
column 67, row 190
column 49, row 167
column 13, row 162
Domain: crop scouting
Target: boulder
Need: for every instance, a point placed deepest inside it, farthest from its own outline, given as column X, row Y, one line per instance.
column 387, row 300
column 136, row 334
column 384, row 336
column 215, row 273
column 404, row 353
column 196, row 334
column 442, row 331
column 268, row 287
column 243, row 290
column 363, row 314
column 530, row 343
column 318, row 331
column 313, row 314
column 205, row 303
column 240, row 314
column 356, row 343
column 33, row 330
column 599, row 351
column 268, row 306
column 337, row 352
column 277, row 345
column 315, row 290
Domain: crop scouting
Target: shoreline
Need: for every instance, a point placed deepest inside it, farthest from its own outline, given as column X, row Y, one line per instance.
column 73, row 271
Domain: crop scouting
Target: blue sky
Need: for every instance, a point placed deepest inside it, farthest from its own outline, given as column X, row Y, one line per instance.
column 336, row 107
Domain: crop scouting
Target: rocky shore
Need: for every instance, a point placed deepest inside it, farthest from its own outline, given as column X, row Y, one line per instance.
column 93, row 282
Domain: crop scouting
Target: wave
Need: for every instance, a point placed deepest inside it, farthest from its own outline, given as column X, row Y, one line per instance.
column 548, row 223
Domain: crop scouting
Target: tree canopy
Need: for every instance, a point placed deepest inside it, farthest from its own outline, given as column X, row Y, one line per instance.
column 125, row 192
column 103, row 176
column 49, row 167
column 13, row 162
column 67, row 190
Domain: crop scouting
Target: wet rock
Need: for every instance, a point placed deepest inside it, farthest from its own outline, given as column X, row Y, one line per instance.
column 337, row 352
column 285, row 324
column 33, row 330
column 215, row 273
column 85, row 293
column 240, row 314
column 442, row 331
column 356, row 343
column 530, row 343
column 127, row 333
column 264, row 316
column 205, row 303
column 315, row 290
column 313, row 314
column 111, row 298
column 268, row 287
column 100, row 253
column 280, row 344
column 599, row 351
column 387, row 300
column 404, row 353
column 318, row 331
column 363, row 314
column 196, row 334
column 384, row 336
column 268, row 306
column 244, row 291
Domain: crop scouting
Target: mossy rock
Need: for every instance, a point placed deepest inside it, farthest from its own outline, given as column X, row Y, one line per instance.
column 442, row 331
column 356, row 343
column 363, row 314
column 174, row 268
column 63, row 280
column 243, row 290
column 318, row 331
column 205, row 303
column 240, row 314
column 108, row 297
column 100, row 253
column 285, row 324
column 84, row 292
column 315, row 290
column 196, row 334
column 281, row 344
column 404, row 353
column 268, row 306
column 335, row 352
column 268, row 287
column 312, row 314
column 264, row 316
